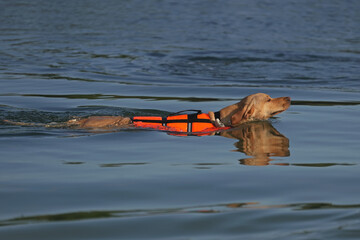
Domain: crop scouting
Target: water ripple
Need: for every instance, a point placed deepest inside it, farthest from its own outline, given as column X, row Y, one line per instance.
column 206, row 209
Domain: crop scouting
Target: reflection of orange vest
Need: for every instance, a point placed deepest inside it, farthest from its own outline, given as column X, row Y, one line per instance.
column 185, row 123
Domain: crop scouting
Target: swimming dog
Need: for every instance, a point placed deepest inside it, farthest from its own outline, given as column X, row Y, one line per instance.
column 257, row 106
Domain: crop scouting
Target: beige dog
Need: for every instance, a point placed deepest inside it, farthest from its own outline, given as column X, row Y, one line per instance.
column 257, row 106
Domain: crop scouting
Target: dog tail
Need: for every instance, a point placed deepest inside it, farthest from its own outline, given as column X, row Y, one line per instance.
column 23, row 123
column 47, row 125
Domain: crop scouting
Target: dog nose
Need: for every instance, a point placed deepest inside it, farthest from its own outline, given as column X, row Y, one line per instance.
column 287, row 99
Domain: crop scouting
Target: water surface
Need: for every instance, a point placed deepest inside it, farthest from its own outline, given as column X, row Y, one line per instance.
column 292, row 177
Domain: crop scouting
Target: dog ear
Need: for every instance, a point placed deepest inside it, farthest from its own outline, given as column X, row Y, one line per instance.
column 245, row 113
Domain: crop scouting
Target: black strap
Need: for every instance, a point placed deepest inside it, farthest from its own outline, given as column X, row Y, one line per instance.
column 189, row 110
column 217, row 115
column 191, row 118
column 164, row 120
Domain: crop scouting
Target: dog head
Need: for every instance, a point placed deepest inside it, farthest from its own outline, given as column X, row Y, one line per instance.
column 259, row 106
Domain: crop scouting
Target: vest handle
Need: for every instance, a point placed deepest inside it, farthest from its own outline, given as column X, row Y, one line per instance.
column 189, row 110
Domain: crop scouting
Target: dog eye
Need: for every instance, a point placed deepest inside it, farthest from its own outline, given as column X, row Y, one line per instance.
column 269, row 100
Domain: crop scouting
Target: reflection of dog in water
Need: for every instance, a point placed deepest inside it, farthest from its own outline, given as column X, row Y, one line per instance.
column 259, row 140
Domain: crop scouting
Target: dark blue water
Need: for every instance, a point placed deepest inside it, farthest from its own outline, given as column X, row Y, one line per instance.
column 293, row 177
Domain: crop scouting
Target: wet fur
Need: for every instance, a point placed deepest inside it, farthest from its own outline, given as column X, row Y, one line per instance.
column 259, row 106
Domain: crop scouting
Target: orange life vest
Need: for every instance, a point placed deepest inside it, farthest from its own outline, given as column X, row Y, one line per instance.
column 191, row 124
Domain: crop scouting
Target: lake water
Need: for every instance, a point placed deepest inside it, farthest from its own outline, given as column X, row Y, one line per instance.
column 295, row 176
